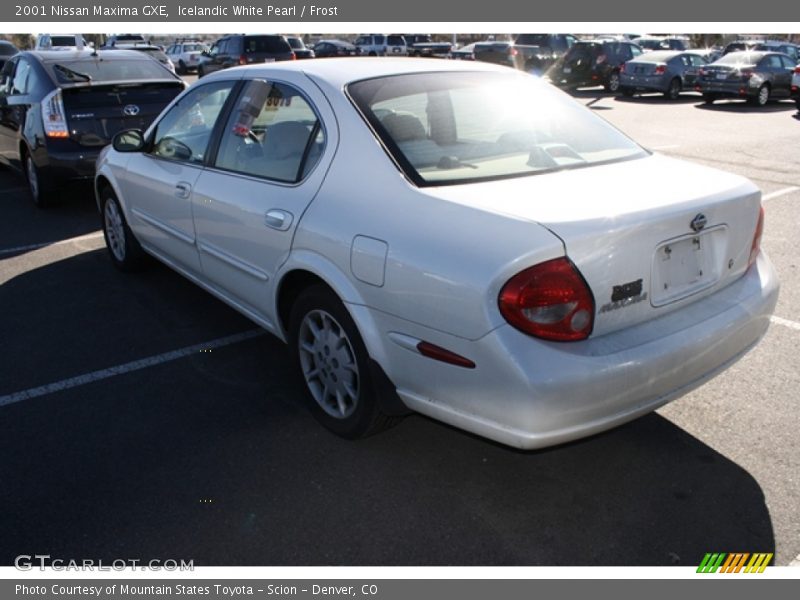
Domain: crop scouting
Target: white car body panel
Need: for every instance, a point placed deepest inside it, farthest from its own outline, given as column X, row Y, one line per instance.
column 428, row 263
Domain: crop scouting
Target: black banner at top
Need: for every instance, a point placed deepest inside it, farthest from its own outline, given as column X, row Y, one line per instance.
column 321, row 11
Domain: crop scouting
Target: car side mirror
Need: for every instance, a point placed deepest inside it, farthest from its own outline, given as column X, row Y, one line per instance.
column 130, row 140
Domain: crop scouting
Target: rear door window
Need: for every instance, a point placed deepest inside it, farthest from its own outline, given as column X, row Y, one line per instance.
column 273, row 133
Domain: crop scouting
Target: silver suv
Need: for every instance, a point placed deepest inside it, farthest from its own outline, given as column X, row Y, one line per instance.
column 381, row 44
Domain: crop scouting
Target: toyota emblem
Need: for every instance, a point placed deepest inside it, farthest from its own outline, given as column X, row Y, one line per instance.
column 130, row 110
column 698, row 222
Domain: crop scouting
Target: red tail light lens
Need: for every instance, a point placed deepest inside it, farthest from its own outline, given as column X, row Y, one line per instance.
column 661, row 69
column 755, row 248
column 622, row 68
column 243, row 60
column 513, row 51
column 294, row 56
column 746, row 73
column 550, row 300
column 797, row 70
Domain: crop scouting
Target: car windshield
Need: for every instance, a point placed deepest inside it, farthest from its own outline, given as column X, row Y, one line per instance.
column 266, row 43
column 455, row 127
column 108, row 70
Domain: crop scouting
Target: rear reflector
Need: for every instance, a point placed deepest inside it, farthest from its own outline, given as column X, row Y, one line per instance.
column 438, row 353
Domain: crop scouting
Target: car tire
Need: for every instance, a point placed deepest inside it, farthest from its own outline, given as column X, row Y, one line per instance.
column 181, row 68
column 674, row 90
column 200, row 72
column 612, row 82
column 333, row 364
column 762, row 97
column 37, row 189
column 124, row 249
column 709, row 98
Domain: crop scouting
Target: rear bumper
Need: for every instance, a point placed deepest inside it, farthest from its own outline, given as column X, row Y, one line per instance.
column 731, row 89
column 67, row 166
column 644, row 84
column 530, row 394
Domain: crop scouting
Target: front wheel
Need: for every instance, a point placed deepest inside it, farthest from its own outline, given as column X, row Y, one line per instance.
column 124, row 249
column 333, row 363
column 612, row 83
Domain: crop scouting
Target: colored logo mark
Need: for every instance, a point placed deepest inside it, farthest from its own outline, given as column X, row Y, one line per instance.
column 735, row 562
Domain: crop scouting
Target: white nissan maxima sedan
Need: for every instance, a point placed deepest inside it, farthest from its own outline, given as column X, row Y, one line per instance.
column 456, row 239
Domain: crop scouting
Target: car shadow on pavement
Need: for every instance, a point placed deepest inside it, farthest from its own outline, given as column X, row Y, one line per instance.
column 657, row 99
column 741, row 106
column 213, row 457
column 25, row 227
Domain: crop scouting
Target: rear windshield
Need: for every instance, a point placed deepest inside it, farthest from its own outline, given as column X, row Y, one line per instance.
column 583, row 51
column 533, row 39
column 193, row 48
column 740, row 58
column 448, row 128
column 155, row 53
column 66, row 71
column 656, row 56
column 296, row 43
column 650, row 44
column 272, row 44
column 62, row 40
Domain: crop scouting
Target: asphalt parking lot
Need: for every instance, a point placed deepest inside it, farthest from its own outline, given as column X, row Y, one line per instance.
column 133, row 425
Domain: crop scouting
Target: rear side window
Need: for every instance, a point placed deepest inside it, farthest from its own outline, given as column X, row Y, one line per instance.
column 272, row 133
column 20, row 84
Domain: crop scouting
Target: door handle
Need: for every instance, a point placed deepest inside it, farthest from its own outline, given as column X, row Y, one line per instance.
column 182, row 190
column 278, row 219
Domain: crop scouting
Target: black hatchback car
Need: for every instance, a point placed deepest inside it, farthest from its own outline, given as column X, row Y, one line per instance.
column 592, row 62
column 240, row 49
column 59, row 108
column 757, row 77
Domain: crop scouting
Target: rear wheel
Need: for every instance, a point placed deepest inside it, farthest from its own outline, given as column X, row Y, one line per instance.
column 39, row 193
column 709, row 98
column 612, row 83
column 123, row 247
column 333, row 363
column 674, row 90
column 182, row 70
column 762, row 97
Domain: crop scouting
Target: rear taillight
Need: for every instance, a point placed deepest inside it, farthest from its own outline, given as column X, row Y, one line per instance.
column 660, row 70
column 243, row 59
column 550, row 300
column 53, row 116
column 797, row 70
column 294, row 56
column 622, row 68
column 755, row 247
column 513, row 52
column 746, row 73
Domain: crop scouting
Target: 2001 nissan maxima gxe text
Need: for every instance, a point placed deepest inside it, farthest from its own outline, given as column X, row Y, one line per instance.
column 457, row 239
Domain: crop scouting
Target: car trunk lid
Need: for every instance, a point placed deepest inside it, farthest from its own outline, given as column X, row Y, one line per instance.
column 648, row 235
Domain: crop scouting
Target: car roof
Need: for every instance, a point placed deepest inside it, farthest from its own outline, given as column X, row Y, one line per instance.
column 341, row 71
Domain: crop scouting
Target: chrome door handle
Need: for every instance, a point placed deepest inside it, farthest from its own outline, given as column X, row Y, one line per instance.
column 278, row 219
column 182, row 190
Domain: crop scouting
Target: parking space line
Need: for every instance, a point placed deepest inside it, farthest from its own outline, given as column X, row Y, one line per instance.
column 779, row 193
column 785, row 322
column 28, row 248
column 135, row 365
